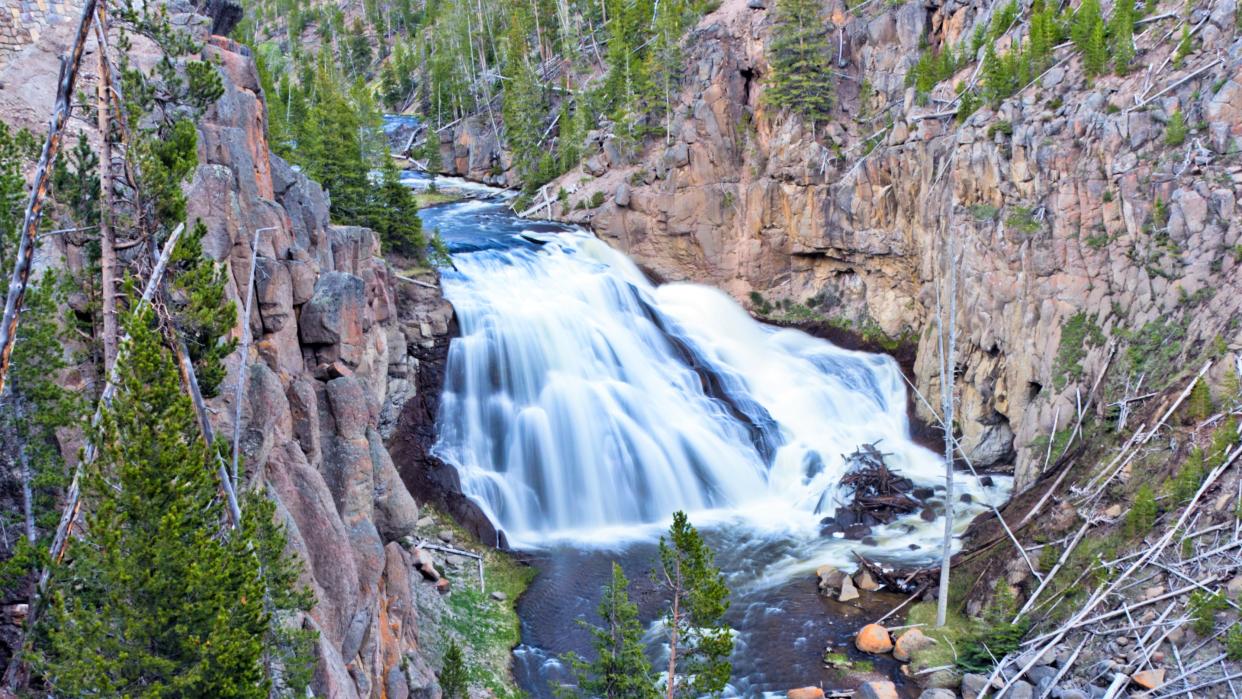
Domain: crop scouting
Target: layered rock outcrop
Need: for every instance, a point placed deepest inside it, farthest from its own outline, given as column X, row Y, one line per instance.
column 1050, row 200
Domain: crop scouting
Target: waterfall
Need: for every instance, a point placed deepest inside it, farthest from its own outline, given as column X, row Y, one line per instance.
column 581, row 401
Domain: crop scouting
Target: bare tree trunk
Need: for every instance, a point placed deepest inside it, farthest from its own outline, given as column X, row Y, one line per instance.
column 947, row 339
column 671, row 680
column 34, row 207
column 107, row 236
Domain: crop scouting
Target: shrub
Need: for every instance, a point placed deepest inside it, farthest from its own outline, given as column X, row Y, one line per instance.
column 1203, row 608
column 1175, row 132
column 1188, row 479
column 1142, row 515
column 1198, row 403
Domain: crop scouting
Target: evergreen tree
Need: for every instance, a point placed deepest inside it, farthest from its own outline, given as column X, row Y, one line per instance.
column 394, row 215
column 523, row 103
column 1095, row 55
column 699, row 640
column 200, row 306
column 620, row 669
column 331, row 147
column 151, row 600
column 75, row 183
column 1121, row 35
column 16, row 149
column 453, row 682
column 801, row 59
column 1175, row 131
column 1184, row 46
column 1084, row 23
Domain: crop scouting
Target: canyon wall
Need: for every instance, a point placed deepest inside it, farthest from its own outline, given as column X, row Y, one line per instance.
column 333, row 362
column 1048, row 199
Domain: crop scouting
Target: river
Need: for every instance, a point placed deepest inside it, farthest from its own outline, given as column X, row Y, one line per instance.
column 583, row 405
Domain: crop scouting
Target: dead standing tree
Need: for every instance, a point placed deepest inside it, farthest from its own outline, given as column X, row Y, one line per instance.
column 946, row 340
column 69, row 66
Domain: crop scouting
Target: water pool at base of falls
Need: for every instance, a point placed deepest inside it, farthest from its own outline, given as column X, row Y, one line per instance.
column 583, row 405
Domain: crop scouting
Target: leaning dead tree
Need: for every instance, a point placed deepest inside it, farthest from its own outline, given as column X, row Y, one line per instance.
column 69, row 66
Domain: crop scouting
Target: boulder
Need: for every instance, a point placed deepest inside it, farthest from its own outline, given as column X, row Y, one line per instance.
column 805, row 693
column 829, row 579
column 1021, row 689
column 909, row 642
column 973, row 684
column 938, row 693
column 848, row 591
column 873, row 638
column 1149, row 679
column 877, row 689
column 864, row 581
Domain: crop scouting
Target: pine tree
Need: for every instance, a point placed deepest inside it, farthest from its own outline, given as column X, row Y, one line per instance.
column 1184, row 46
column 1095, row 56
column 523, row 103
column 152, row 600
column 1084, row 23
column 699, row 640
column 620, row 669
column 1121, row 35
column 1175, row 131
column 453, row 682
column 394, row 215
column 801, row 60
column 75, row 183
column 200, row 307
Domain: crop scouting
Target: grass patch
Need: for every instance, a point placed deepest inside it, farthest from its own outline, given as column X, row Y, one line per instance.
column 429, row 199
column 1078, row 335
column 950, row 638
column 486, row 629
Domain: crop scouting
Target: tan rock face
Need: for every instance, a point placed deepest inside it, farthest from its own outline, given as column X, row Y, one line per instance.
column 805, row 693
column 1049, row 198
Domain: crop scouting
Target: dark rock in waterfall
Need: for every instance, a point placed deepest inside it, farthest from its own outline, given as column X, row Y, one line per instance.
column 966, row 498
column 922, row 493
column 985, row 481
column 927, row 514
column 857, row 531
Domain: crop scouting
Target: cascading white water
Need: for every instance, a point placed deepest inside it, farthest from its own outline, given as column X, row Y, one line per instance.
column 581, row 401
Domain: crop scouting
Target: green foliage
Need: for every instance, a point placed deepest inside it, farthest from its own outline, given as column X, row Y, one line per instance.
column 620, row 669
column 1153, row 348
column 394, row 215
column 597, row 199
column 75, row 183
column 1233, row 643
column 932, row 68
column 32, row 409
column 1121, row 35
column 1175, row 130
column 1048, row 557
column 1199, row 402
column 453, row 682
column 1185, row 46
column 694, row 622
column 801, row 58
column 17, row 148
column 997, row 635
column 1023, row 220
column 1224, row 437
column 1142, row 514
column 1078, row 335
column 152, row 600
column 984, row 212
column 205, row 318
column 1189, row 477
column 166, row 157
column 524, row 101
column 1203, row 607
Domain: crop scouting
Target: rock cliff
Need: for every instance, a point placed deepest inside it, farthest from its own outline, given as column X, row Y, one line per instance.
column 333, row 361
column 1051, row 199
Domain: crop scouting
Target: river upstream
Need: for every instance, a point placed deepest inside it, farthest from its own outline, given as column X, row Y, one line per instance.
column 583, row 405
